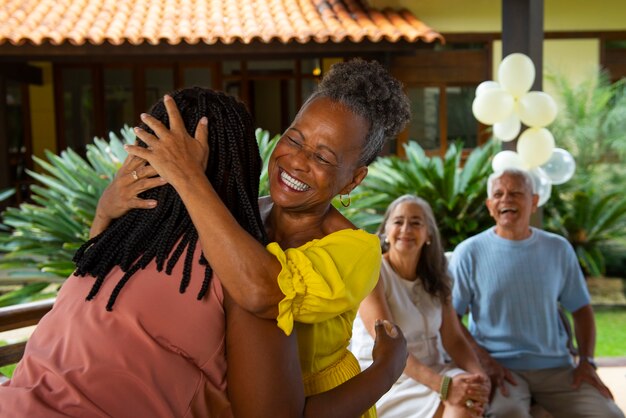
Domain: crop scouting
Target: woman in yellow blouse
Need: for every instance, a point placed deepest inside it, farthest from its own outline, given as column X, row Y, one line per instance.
column 319, row 267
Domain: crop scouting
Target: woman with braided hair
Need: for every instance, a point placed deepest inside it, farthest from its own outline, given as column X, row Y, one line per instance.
column 145, row 344
column 318, row 266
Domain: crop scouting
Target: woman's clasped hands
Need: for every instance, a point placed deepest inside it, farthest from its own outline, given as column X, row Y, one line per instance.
column 471, row 391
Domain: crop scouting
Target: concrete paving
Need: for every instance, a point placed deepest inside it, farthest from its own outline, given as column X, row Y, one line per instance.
column 613, row 374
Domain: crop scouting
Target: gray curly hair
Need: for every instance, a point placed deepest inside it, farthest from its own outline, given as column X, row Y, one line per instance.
column 368, row 90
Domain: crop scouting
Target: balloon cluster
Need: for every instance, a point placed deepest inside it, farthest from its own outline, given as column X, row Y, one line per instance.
column 507, row 105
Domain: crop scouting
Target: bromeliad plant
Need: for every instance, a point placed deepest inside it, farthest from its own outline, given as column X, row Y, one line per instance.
column 456, row 192
column 44, row 234
column 38, row 240
column 588, row 219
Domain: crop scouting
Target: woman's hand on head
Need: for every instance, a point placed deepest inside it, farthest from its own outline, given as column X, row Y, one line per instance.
column 121, row 195
column 173, row 152
column 390, row 346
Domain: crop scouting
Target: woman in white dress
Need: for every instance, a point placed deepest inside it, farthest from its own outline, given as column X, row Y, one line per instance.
column 414, row 292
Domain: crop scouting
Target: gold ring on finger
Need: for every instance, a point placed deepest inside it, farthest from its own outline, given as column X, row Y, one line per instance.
column 134, row 174
column 469, row 403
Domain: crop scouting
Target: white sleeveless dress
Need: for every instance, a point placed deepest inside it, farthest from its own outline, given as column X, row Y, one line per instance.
column 419, row 316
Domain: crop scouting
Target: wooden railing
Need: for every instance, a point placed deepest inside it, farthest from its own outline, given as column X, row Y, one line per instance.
column 16, row 317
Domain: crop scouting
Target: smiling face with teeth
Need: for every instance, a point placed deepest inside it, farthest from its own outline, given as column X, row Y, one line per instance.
column 317, row 157
column 511, row 204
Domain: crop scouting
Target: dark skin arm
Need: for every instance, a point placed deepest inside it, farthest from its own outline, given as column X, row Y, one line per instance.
column 180, row 159
column 263, row 366
column 585, row 330
column 355, row 396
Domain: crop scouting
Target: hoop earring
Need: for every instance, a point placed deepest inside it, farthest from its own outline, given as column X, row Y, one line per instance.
column 344, row 204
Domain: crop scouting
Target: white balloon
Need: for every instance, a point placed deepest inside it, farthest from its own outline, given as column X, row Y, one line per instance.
column 516, row 74
column 492, row 106
column 543, row 185
column 506, row 159
column 560, row 167
column 536, row 109
column 535, row 146
column 508, row 129
column 486, row 85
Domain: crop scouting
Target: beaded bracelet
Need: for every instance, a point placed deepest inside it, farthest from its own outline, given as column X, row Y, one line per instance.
column 445, row 386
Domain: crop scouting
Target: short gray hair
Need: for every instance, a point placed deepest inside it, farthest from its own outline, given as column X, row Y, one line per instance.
column 515, row 172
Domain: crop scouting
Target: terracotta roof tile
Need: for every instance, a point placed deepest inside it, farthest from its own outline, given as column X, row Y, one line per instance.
column 207, row 21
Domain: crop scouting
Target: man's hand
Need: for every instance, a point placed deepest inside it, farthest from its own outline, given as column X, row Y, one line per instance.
column 498, row 374
column 585, row 372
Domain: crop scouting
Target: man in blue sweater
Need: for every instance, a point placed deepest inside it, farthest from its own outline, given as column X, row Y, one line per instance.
column 512, row 278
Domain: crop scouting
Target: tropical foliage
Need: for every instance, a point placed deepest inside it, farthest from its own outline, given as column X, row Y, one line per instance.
column 266, row 146
column 591, row 121
column 44, row 234
column 589, row 219
column 590, row 209
column 455, row 191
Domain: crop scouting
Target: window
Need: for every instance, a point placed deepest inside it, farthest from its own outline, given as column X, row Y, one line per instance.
column 460, row 122
column 614, row 59
column 158, row 82
column 78, row 108
column 18, row 136
column 441, row 85
column 119, row 109
column 424, row 124
column 101, row 98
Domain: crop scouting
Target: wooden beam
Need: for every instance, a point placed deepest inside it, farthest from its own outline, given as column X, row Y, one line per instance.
column 12, row 353
column 23, row 73
column 23, row 315
column 255, row 50
column 16, row 317
column 456, row 66
column 522, row 31
column 4, row 136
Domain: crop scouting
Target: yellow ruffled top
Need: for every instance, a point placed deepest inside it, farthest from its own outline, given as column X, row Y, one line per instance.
column 324, row 282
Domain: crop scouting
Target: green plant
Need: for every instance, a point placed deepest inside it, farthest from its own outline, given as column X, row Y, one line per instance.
column 590, row 125
column 266, row 147
column 44, row 234
column 588, row 219
column 589, row 210
column 456, row 192
column 6, row 193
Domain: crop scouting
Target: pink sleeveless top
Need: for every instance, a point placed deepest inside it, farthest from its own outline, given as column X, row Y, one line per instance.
column 159, row 353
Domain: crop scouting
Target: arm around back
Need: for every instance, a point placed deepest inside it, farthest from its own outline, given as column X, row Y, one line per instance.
column 264, row 377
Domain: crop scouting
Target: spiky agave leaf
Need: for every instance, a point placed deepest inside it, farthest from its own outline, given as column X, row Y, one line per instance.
column 455, row 191
column 41, row 237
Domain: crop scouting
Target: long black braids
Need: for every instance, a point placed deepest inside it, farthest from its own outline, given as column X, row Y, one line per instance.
column 164, row 233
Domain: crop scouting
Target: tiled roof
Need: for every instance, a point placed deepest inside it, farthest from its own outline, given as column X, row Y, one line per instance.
column 204, row 21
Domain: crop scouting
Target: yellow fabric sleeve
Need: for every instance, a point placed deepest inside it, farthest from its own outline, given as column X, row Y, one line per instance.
column 326, row 277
